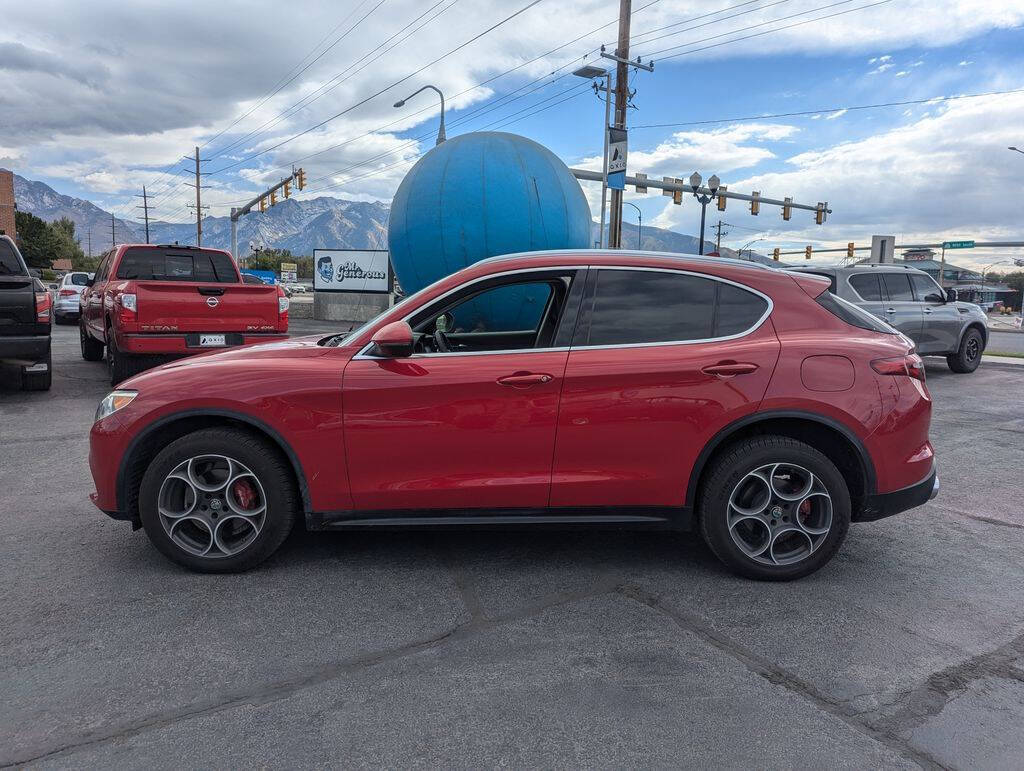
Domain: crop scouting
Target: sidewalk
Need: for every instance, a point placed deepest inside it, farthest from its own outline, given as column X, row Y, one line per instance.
column 1002, row 361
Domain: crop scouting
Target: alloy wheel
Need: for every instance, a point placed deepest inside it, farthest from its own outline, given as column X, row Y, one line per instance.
column 212, row 506
column 972, row 349
column 779, row 514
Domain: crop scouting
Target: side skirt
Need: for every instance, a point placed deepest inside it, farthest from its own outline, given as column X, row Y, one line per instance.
column 633, row 518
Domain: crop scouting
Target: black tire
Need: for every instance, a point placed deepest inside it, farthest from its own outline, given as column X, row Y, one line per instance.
column 734, row 466
column 120, row 365
column 266, row 463
column 968, row 356
column 91, row 349
column 38, row 381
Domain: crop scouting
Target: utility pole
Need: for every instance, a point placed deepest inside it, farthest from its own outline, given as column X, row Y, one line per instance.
column 718, row 236
column 113, row 240
column 199, row 206
column 145, row 209
column 89, row 235
column 621, row 99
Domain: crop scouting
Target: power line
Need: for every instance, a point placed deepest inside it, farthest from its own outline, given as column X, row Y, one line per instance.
column 847, row 108
column 276, row 88
column 374, row 95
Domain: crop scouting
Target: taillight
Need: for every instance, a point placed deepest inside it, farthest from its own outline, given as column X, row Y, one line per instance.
column 43, row 305
column 128, row 308
column 67, row 293
column 909, row 365
column 282, row 303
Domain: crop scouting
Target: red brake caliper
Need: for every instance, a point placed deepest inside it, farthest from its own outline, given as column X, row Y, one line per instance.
column 244, row 493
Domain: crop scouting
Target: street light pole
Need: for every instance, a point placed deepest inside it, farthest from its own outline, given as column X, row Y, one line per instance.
column 749, row 251
column 639, row 224
column 440, row 129
column 590, row 72
column 704, row 199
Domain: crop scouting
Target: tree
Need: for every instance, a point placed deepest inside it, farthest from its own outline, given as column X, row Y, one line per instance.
column 1015, row 281
column 41, row 243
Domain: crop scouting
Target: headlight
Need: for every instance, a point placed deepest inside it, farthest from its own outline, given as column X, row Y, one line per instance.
column 114, row 401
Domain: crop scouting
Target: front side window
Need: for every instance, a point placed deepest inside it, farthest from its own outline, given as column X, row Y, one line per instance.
column 926, row 289
column 635, row 306
column 897, row 287
column 500, row 315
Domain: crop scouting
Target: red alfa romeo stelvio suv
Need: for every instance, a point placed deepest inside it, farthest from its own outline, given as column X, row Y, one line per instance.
column 562, row 388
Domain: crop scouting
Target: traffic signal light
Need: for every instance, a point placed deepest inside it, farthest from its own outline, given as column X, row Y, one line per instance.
column 787, row 210
column 775, row 254
column 819, row 213
column 287, row 189
column 721, row 198
column 263, row 204
column 755, row 203
column 273, row 197
column 301, row 178
column 849, row 250
column 807, row 252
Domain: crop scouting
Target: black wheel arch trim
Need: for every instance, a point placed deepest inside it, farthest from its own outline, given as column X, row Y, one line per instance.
column 978, row 325
column 256, row 423
column 759, row 417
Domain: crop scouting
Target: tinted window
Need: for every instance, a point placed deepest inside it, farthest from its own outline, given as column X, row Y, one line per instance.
column 633, row 306
column 897, row 286
column 925, row 288
column 101, row 271
column 867, row 286
column 738, row 310
column 852, row 314
column 10, row 265
column 171, row 265
column 509, row 308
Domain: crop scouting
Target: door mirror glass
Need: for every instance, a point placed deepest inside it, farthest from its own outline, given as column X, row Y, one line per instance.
column 951, row 295
column 934, row 297
column 393, row 340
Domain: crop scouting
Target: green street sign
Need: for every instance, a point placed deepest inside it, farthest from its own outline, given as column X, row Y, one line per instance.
column 957, row 244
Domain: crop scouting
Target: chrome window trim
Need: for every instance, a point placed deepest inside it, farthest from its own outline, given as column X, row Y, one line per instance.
column 363, row 355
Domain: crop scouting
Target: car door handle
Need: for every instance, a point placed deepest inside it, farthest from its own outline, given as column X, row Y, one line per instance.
column 729, row 368
column 927, row 310
column 523, row 379
column 890, row 310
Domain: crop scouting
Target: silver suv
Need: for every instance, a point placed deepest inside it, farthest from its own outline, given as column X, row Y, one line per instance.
column 910, row 300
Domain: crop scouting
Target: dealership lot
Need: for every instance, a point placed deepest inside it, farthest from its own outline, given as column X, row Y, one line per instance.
column 478, row 649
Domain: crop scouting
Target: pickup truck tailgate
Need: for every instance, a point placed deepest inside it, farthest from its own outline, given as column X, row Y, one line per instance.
column 17, row 306
column 184, row 306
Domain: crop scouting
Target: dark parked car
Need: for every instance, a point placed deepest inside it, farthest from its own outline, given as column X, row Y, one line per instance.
column 25, row 319
column 565, row 388
column 911, row 301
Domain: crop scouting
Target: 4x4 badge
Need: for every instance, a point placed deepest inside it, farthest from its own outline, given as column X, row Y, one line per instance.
column 213, row 302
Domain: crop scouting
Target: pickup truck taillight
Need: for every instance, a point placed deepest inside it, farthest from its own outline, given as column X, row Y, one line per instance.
column 282, row 304
column 127, row 308
column 43, row 305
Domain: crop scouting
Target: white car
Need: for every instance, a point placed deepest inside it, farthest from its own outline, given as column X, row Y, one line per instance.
column 297, row 288
column 67, row 295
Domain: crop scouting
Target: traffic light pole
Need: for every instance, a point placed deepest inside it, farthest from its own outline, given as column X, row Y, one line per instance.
column 237, row 213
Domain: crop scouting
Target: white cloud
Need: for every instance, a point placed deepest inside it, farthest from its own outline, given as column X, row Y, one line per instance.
column 901, row 74
column 965, row 63
column 836, row 114
column 882, row 68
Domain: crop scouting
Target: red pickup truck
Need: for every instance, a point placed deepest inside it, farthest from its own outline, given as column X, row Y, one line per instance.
column 149, row 303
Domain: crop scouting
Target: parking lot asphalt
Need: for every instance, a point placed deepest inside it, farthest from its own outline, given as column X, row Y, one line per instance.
column 517, row 649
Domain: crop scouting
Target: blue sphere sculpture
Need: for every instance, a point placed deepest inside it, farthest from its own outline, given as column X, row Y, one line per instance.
column 480, row 195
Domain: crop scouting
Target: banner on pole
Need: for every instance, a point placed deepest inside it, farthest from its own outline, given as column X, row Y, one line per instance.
column 617, row 146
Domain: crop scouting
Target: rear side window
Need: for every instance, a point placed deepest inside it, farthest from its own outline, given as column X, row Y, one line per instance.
column 867, row 286
column 851, row 314
column 172, row 265
column 633, row 306
column 10, row 265
column 897, row 287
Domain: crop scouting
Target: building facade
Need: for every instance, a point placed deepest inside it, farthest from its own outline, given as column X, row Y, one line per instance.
column 7, row 224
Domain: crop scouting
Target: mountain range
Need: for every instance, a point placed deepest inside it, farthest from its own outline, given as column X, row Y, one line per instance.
column 299, row 226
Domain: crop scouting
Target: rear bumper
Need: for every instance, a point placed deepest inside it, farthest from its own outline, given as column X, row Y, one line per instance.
column 24, row 350
column 157, row 344
column 886, row 504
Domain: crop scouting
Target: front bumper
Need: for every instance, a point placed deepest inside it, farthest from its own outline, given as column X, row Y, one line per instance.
column 883, row 505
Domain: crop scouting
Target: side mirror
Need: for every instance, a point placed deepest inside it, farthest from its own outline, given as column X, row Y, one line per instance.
column 951, row 295
column 90, row 281
column 393, row 340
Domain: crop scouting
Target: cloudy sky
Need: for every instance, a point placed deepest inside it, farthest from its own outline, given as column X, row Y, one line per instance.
column 99, row 98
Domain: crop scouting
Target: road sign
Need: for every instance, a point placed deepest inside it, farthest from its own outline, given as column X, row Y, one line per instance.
column 616, row 158
column 957, row 244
